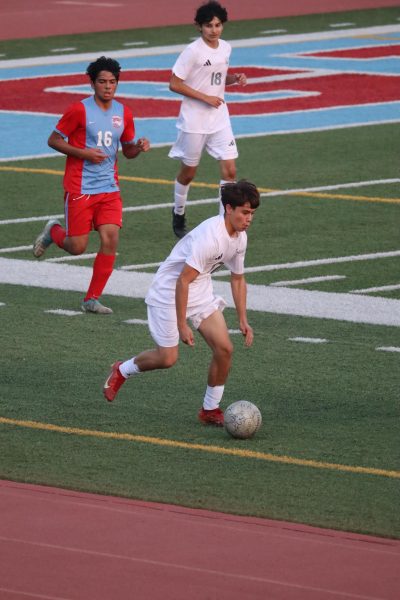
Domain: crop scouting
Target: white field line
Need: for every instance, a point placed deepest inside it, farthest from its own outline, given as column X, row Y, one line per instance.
column 136, row 322
column 341, row 24
column 279, row 300
column 388, row 348
column 382, row 288
column 138, row 267
column 71, row 258
column 63, row 312
column 15, row 249
column 290, row 282
column 322, row 188
column 327, row 188
column 310, row 263
column 308, row 340
column 244, row 43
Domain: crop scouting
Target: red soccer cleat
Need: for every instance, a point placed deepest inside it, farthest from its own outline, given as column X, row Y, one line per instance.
column 113, row 382
column 211, row 417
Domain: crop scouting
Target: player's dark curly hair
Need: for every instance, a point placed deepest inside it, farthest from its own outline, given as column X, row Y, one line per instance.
column 103, row 64
column 206, row 12
column 240, row 192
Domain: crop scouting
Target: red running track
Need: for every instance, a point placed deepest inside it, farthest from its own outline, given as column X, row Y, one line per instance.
column 25, row 19
column 63, row 545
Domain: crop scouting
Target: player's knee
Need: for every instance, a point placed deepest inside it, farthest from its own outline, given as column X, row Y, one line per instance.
column 168, row 360
column 76, row 250
column 229, row 173
column 186, row 175
column 225, row 351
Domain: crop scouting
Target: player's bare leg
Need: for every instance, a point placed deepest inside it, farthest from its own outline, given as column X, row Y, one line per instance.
column 102, row 268
column 215, row 332
column 228, row 175
column 149, row 360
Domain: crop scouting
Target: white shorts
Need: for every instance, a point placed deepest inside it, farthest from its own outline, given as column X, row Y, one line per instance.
column 162, row 320
column 189, row 147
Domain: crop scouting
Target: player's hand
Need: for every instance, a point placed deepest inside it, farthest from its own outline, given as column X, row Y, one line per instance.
column 143, row 144
column 214, row 101
column 186, row 335
column 241, row 79
column 248, row 333
column 94, row 155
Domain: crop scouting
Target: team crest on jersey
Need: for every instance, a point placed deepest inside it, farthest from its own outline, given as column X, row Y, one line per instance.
column 116, row 121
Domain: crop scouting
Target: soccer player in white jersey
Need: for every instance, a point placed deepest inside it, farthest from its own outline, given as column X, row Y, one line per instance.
column 182, row 289
column 89, row 133
column 200, row 75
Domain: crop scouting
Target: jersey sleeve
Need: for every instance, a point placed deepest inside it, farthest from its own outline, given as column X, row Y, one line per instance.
column 128, row 135
column 72, row 119
column 202, row 255
column 184, row 64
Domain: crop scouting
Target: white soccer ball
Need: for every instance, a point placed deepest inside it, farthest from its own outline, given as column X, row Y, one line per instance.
column 242, row 419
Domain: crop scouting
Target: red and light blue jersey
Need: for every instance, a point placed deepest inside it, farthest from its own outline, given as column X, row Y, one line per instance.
column 86, row 125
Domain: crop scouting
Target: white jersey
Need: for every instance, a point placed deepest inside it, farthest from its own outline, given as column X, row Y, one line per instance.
column 205, row 248
column 203, row 69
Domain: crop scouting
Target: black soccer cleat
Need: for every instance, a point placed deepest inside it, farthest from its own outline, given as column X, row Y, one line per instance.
column 179, row 224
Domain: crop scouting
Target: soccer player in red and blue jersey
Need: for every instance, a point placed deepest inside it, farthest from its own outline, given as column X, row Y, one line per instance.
column 89, row 133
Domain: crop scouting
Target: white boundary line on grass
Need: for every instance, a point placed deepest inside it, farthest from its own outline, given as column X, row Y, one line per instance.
column 177, row 48
column 279, row 300
column 319, row 261
column 307, row 280
column 145, row 207
column 382, row 288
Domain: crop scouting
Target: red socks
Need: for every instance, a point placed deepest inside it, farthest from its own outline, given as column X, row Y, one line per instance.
column 102, row 269
column 58, row 235
column 102, row 266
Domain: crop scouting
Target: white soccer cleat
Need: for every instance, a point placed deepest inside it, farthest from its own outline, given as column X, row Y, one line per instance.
column 43, row 240
column 94, row 306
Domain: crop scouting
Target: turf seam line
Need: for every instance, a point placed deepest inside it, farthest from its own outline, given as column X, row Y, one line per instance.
column 288, row 460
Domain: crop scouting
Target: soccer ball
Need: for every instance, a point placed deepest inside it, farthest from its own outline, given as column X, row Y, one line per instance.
column 242, row 419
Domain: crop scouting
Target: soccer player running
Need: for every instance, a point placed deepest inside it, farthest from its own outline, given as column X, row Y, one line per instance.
column 89, row 133
column 200, row 75
column 182, row 288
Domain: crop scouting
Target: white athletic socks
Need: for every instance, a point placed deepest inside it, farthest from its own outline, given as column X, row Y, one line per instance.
column 213, row 397
column 180, row 197
column 129, row 367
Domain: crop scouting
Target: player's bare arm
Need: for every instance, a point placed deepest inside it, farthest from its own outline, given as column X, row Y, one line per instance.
column 239, row 293
column 178, row 86
column 133, row 150
column 187, row 275
column 238, row 78
column 57, row 142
